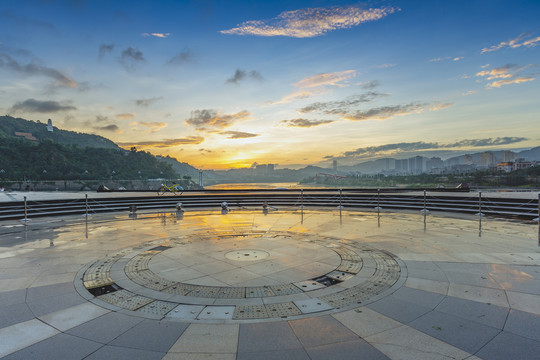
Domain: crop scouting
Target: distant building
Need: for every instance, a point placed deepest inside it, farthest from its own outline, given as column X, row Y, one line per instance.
column 508, row 156
column 334, row 164
column 520, row 164
column 49, row 125
column 505, row 166
column 487, row 159
column 467, row 159
column 270, row 167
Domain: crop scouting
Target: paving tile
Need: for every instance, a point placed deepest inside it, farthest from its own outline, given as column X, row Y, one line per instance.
column 321, row 330
column 61, row 346
column 267, row 336
column 439, row 287
column 208, row 338
column 477, row 293
column 364, row 321
column 419, row 297
column 405, row 342
column 21, row 335
column 151, row 335
column 15, row 313
column 524, row 302
column 290, row 354
column 106, row 328
column 67, row 318
column 399, row 310
column 486, row 314
column 461, row 333
column 123, row 353
column 52, row 304
column 41, row 292
column 523, row 324
column 509, row 346
column 12, row 297
column 356, row 349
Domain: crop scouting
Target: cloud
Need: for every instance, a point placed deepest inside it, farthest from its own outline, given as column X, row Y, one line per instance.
column 61, row 80
column 125, row 116
column 317, row 84
column 341, row 107
column 370, row 85
column 152, row 126
column 384, row 66
column 388, row 149
column 32, row 105
column 387, row 112
column 183, row 57
column 111, row 128
column 158, row 35
column 189, row 140
column 130, row 57
column 505, row 75
column 11, row 16
column 100, row 118
column 147, row 102
column 310, row 22
column 238, row 134
column 515, row 43
column 208, row 120
column 455, row 58
column 304, row 123
column 240, row 75
column 105, row 49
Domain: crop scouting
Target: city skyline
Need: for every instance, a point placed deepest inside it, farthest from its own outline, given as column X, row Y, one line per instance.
column 227, row 84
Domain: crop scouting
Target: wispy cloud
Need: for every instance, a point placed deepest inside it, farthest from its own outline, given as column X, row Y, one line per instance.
column 391, row 111
column 158, row 35
column 147, row 102
column 189, row 140
column 238, row 134
column 389, row 149
column 105, row 49
column 304, row 123
column 317, row 84
column 505, row 75
column 341, row 107
column 131, row 57
column 151, row 126
column 61, row 80
column 111, row 128
column 125, row 116
column 453, row 58
column 310, row 22
column 211, row 120
column 524, row 39
column 384, row 66
column 183, row 57
column 37, row 106
column 240, row 75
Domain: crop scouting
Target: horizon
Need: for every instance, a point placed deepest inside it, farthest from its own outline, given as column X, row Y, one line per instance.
column 226, row 85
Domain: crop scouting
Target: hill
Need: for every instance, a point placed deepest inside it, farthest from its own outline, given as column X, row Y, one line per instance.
column 10, row 125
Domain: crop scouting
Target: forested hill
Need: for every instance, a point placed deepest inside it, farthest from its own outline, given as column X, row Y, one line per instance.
column 10, row 125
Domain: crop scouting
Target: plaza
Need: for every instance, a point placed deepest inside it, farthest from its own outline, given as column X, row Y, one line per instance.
column 313, row 283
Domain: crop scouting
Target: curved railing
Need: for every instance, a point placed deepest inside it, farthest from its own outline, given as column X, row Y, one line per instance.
column 283, row 200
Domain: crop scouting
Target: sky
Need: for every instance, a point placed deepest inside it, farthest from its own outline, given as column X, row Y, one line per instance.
column 227, row 84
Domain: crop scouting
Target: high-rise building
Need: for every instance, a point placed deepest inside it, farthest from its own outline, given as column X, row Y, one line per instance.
column 508, row 156
column 49, row 125
column 487, row 159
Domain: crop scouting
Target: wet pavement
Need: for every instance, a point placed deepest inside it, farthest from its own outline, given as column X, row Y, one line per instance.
column 315, row 284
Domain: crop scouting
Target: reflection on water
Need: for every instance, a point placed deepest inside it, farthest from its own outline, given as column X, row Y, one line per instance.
column 247, row 186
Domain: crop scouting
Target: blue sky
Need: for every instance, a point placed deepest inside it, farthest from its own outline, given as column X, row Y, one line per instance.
column 224, row 84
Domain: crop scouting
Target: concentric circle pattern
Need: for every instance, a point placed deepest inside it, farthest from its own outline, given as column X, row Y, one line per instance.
column 220, row 278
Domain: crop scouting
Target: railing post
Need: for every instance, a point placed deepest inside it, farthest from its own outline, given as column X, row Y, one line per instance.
column 301, row 198
column 479, row 213
column 26, row 219
column 424, row 210
column 378, row 207
column 86, row 204
column 340, row 196
column 538, row 218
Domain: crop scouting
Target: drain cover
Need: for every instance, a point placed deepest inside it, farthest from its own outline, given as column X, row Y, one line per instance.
column 247, row 255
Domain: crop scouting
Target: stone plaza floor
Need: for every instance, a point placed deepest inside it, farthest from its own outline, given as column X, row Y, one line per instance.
column 288, row 284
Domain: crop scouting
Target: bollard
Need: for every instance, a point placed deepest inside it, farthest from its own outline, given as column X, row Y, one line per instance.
column 378, row 207
column 133, row 211
column 26, row 219
column 479, row 213
column 179, row 207
column 424, row 210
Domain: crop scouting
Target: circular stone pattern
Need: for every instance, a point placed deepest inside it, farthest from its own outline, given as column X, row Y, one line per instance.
column 272, row 275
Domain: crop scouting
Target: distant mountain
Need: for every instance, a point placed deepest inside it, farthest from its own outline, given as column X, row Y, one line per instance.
column 10, row 125
column 531, row 154
column 184, row 169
